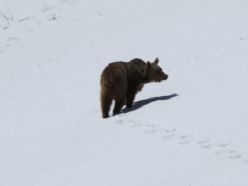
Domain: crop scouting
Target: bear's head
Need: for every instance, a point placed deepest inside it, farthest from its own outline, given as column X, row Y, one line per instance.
column 153, row 72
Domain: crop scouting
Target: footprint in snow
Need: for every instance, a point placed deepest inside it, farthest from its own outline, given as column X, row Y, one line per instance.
column 236, row 156
column 119, row 121
column 150, row 129
column 135, row 123
column 5, row 27
column 223, row 151
column 223, row 145
column 241, row 38
column 99, row 13
column 24, row 19
column 168, row 134
column 184, row 139
column 204, row 144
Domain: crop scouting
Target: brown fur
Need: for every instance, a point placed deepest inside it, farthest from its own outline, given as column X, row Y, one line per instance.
column 120, row 81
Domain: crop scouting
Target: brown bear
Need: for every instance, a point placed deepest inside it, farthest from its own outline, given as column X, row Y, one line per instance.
column 120, row 81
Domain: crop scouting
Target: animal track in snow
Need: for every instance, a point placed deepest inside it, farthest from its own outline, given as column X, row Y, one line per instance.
column 119, row 121
column 24, row 19
column 236, row 155
column 184, row 139
column 224, row 149
column 168, row 134
column 135, row 125
column 223, row 145
column 150, row 129
column 204, row 144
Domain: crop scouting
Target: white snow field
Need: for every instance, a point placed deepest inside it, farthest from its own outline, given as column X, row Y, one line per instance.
column 191, row 130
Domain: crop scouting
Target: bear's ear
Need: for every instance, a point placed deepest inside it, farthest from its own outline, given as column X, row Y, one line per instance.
column 146, row 69
column 156, row 61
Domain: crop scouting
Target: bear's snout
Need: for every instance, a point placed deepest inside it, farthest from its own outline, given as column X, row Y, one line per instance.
column 165, row 77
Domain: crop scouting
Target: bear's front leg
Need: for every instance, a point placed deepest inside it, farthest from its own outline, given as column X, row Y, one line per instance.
column 130, row 98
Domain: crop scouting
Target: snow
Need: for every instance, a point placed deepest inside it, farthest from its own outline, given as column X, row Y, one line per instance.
column 189, row 130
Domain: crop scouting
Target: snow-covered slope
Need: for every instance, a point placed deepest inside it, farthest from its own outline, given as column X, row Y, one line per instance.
column 190, row 130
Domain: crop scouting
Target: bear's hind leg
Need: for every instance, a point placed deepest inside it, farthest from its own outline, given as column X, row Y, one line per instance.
column 118, row 106
column 105, row 105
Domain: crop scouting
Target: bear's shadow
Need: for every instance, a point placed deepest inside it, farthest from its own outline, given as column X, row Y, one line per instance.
column 141, row 103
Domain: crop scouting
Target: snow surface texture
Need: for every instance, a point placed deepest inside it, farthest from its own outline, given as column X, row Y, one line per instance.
column 188, row 131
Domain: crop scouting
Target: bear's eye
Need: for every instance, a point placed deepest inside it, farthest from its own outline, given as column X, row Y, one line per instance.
column 158, row 70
